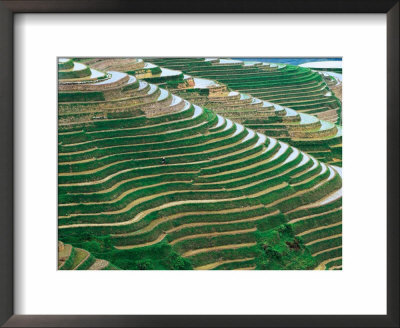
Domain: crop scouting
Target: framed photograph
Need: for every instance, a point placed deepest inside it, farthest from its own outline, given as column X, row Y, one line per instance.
column 175, row 164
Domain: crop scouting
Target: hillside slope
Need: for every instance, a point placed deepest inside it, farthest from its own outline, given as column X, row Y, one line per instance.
column 71, row 258
column 317, row 137
column 148, row 180
column 291, row 86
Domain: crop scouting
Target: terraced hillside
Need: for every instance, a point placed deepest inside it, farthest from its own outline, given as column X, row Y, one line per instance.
column 149, row 180
column 320, row 138
column 71, row 258
column 298, row 88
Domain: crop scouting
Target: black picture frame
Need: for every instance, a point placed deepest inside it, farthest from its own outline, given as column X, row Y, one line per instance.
column 7, row 11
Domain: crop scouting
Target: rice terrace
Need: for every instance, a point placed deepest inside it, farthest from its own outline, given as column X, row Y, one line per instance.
column 199, row 163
